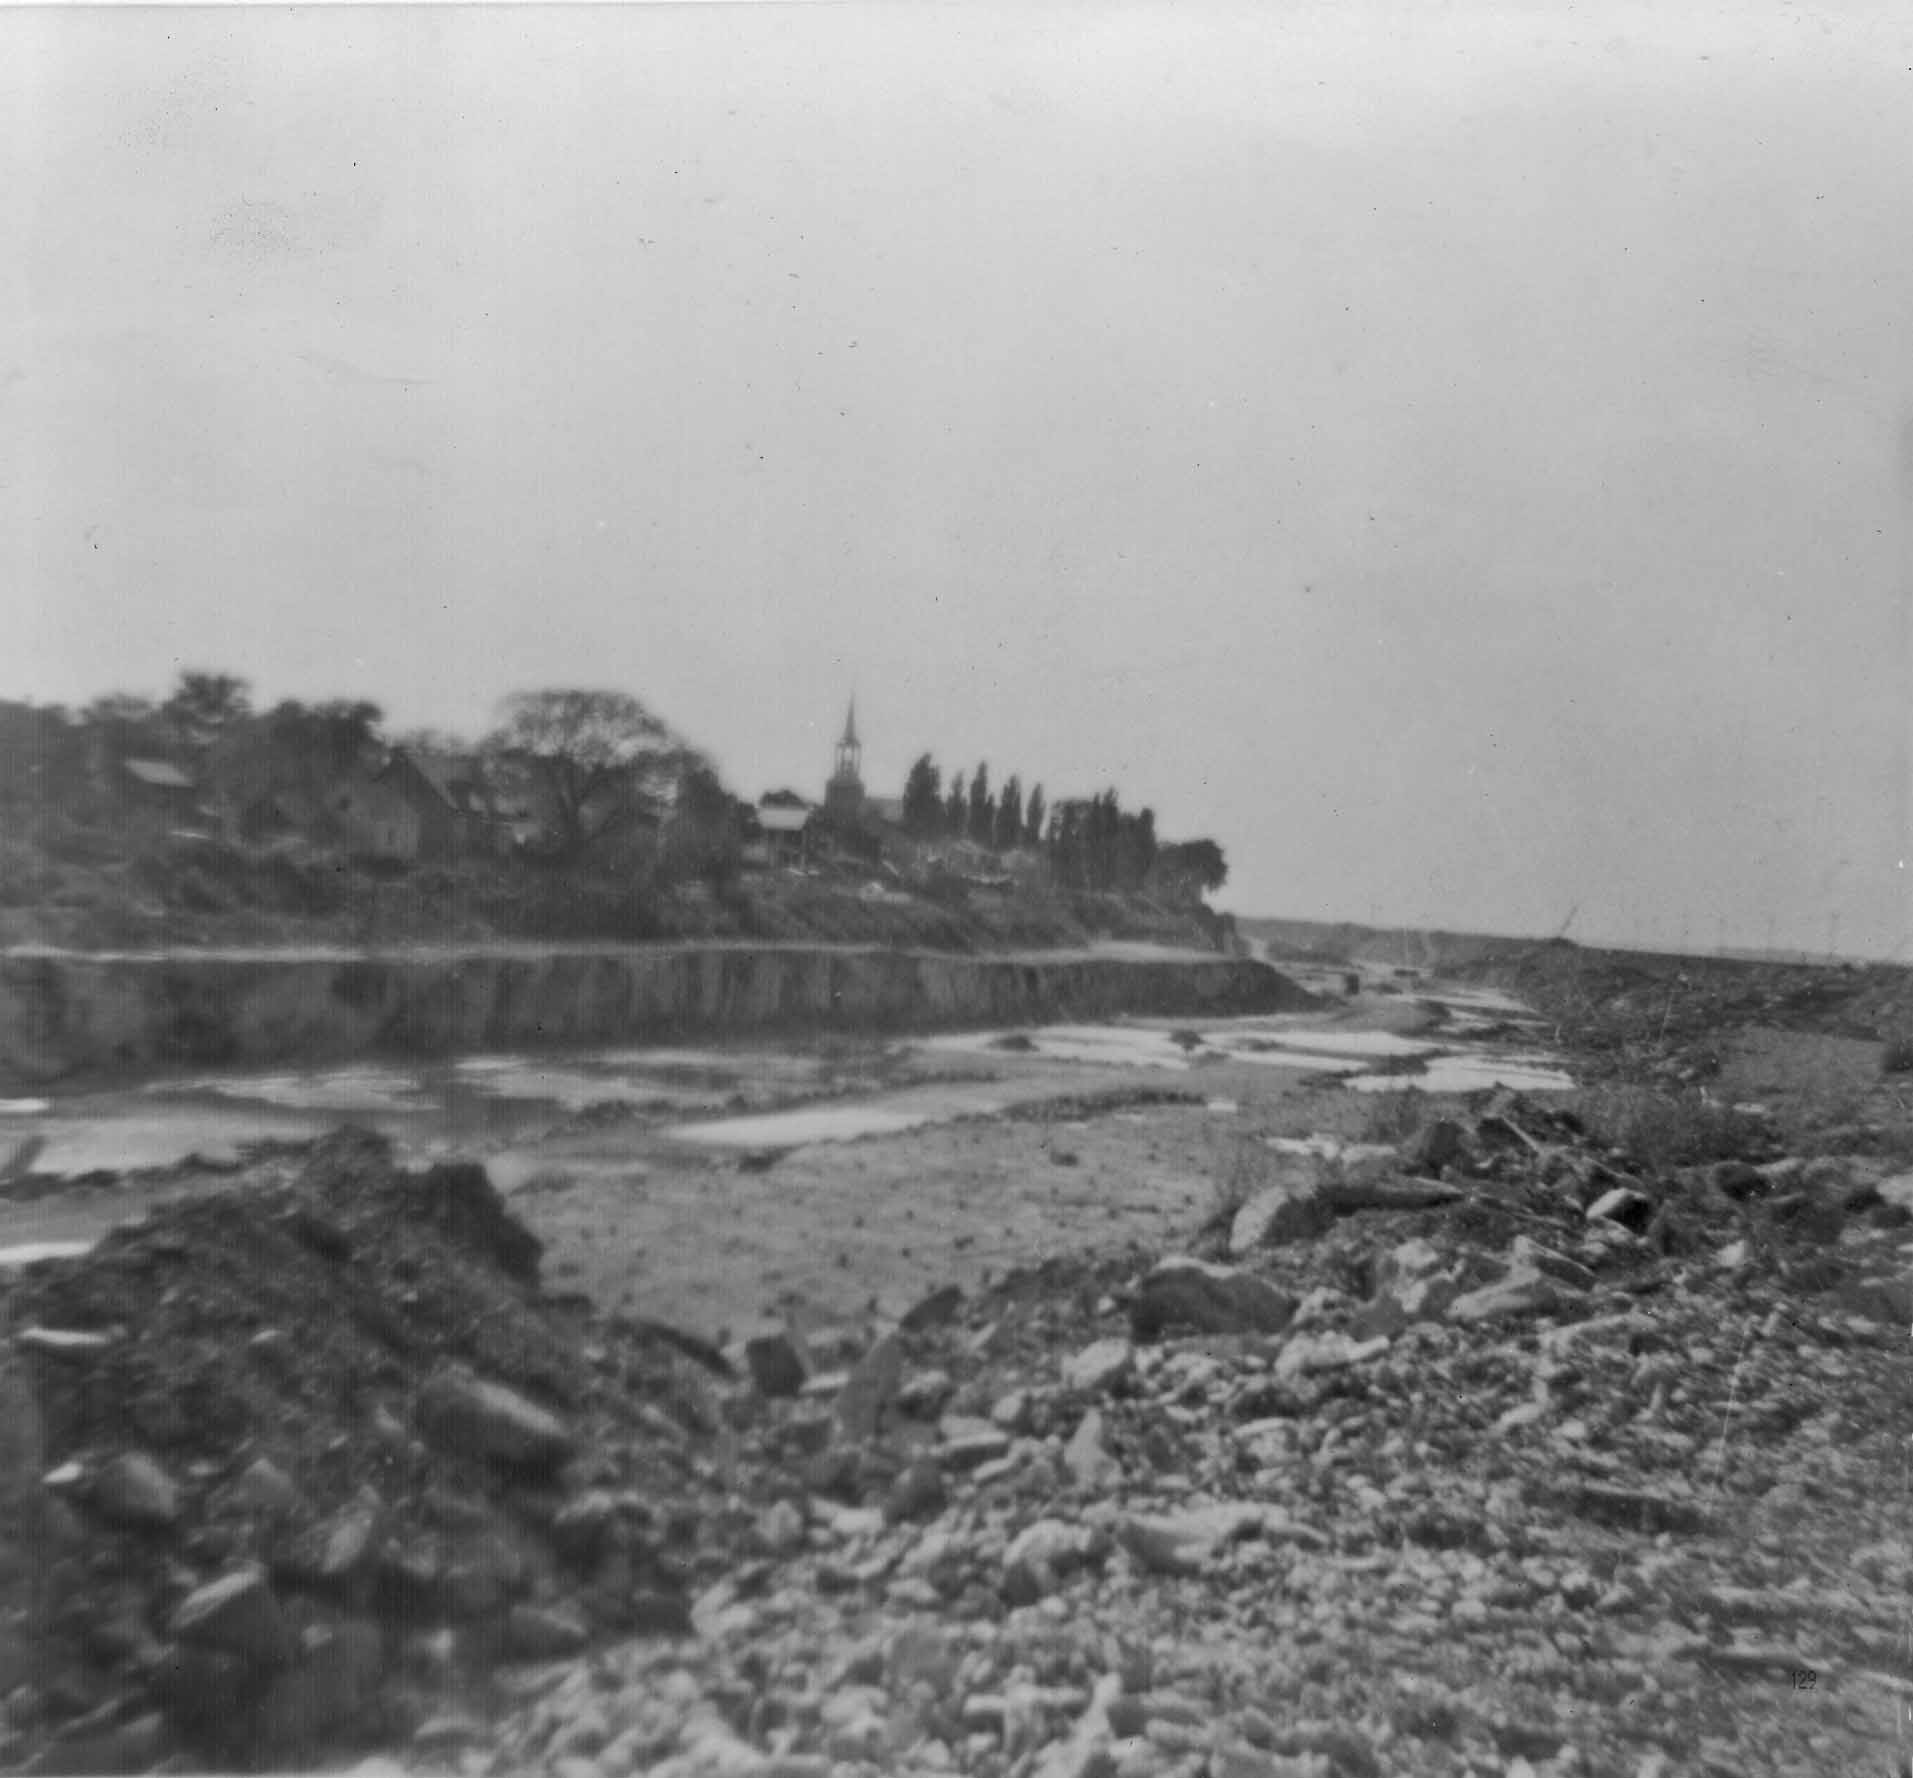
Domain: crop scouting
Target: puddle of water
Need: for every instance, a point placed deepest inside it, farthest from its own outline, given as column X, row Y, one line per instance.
column 1482, row 1000
column 574, row 1089
column 129, row 1144
column 28, row 1253
column 514, row 1169
column 1288, row 1042
column 1468, row 1074
column 1332, row 1042
column 341, row 1090
column 1117, row 1046
column 719, row 1064
column 499, row 1097
column 820, row 1123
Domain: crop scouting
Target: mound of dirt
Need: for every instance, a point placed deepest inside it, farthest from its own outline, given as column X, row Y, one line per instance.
column 297, row 1464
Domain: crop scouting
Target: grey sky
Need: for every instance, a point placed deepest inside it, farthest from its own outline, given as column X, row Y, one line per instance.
column 1462, row 457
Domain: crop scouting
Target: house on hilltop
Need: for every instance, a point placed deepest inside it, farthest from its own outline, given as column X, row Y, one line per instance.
column 452, row 803
column 374, row 818
column 784, row 830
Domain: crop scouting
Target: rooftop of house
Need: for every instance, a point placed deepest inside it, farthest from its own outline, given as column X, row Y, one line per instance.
column 456, row 780
column 777, row 818
column 159, row 773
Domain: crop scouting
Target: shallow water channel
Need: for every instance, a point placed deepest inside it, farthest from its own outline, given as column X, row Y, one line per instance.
column 744, row 1096
column 702, row 1182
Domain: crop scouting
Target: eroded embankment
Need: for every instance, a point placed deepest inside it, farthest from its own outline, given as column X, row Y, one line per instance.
column 69, row 1014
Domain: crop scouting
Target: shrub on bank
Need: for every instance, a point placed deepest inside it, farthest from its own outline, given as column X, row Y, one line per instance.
column 1662, row 1130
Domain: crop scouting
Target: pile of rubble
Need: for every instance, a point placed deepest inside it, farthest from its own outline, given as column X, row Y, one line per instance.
column 296, row 1465
column 1492, row 1453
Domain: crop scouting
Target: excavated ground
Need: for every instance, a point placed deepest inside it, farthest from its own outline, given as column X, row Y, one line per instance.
column 1500, row 1436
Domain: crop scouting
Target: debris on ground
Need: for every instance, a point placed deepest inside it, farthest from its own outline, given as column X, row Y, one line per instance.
column 1512, row 1451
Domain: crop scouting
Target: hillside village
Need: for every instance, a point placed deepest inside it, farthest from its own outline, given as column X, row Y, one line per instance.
column 201, row 820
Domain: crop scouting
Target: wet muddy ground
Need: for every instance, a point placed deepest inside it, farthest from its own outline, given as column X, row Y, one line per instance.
column 712, row 1187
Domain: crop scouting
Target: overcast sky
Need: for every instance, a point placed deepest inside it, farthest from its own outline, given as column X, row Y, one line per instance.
column 1461, row 457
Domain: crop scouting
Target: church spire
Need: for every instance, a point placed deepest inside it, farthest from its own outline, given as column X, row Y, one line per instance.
column 845, row 792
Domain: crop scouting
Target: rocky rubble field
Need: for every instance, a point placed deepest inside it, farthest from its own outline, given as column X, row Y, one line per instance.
column 1489, row 1451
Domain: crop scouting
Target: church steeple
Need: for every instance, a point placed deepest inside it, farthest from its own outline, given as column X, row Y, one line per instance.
column 844, row 794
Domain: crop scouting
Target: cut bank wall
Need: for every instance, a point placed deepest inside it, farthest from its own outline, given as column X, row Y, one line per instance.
column 70, row 1014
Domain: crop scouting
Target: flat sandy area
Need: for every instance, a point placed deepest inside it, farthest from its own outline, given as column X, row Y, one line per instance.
column 830, row 1185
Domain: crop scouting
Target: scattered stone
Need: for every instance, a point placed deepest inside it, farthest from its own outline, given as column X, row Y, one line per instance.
column 1011, row 1412
column 471, row 1417
column 924, row 1394
column 326, row 1690
column 1186, row 1542
column 1306, row 1354
column 969, row 1444
column 1630, row 1209
column 62, row 1342
column 132, row 1489
column 1085, row 1752
column 132, row 1746
column 1437, row 1146
column 1293, row 1211
column 1088, row 1459
column 236, row 1614
column 918, row 1493
column 938, row 1309
column 870, row 1391
column 780, row 1527
column 543, row 1633
column 264, row 1488
column 1100, row 1366
column 776, row 1364
column 1635, row 1509
column 1046, row 1553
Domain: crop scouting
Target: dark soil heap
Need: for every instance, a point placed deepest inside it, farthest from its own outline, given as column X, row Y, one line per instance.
column 316, row 1458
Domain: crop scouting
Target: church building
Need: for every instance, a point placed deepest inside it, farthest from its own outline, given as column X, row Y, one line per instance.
column 844, row 794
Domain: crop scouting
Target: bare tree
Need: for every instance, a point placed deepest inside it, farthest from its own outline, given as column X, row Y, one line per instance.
column 593, row 754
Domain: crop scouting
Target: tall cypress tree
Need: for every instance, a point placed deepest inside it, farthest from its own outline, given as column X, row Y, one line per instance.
column 923, row 799
column 982, row 808
column 1009, row 814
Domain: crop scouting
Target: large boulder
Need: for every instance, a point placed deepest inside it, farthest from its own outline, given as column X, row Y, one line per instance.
column 460, row 1198
column 470, row 1417
column 1186, row 1542
column 1537, row 1280
column 133, row 1490
column 776, row 1363
column 236, row 1615
column 869, row 1391
column 1099, row 1366
column 1294, row 1210
column 1208, row 1298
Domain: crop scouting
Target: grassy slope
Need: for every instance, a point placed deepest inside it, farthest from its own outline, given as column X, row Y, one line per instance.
column 192, row 893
